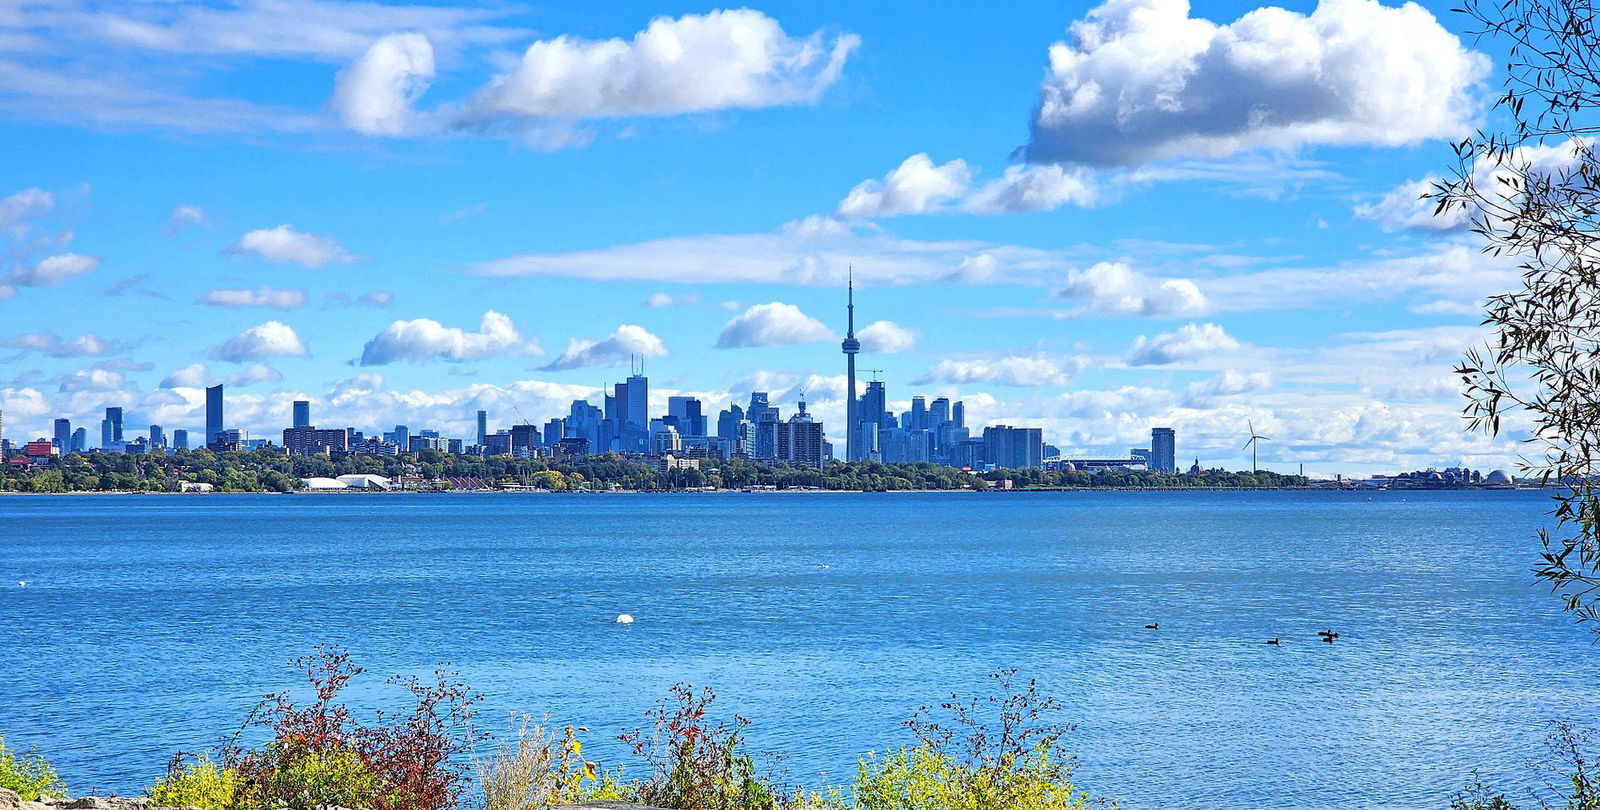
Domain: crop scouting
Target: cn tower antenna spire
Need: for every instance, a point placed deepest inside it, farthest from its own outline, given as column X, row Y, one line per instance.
column 851, row 283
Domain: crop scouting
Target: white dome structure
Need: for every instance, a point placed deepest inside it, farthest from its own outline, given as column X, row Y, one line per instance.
column 322, row 484
column 1499, row 478
column 361, row 481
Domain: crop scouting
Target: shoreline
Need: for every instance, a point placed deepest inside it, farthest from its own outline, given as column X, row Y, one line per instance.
column 1036, row 491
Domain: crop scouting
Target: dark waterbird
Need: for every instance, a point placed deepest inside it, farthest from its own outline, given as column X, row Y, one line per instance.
column 1274, row 642
column 1156, row 626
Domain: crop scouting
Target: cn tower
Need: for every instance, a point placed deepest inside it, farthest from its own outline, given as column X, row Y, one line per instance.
column 851, row 346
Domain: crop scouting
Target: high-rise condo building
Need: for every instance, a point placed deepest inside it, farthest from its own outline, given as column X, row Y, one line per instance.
column 63, row 435
column 214, row 423
column 158, row 437
column 799, row 441
column 483, row 426
column 180, row 439
column 114, row 421
column 1164, row 449
column 302, row 413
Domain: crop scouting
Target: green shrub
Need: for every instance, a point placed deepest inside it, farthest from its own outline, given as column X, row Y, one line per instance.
column 28, row 775
column 198, row 783
column 1015, row 759
column 309, row 780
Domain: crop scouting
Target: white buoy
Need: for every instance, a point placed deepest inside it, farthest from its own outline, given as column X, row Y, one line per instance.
column 22, row 583
column 623, row 618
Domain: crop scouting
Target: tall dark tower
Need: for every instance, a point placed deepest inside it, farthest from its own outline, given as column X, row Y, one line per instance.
column 851, row 346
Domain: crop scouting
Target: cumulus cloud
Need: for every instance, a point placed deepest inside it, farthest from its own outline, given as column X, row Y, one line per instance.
column 284, row 245
column 1189, row 342
column 1228, row 383
column 1141, row 80
column 1034, row 188
column 427, row 339
column 1114, row 288
column 186, row 216
column 916, row 186
column 733, row 59
column 887, row 337
column 194, row 375
column 51, row 271
column 263, row 297
column 626, row 342
column 1499, row 179
column 270, row 339
column 54, row 345
column 374, row 95
column 92, row 379
column 1011, row 370
column 771, row 324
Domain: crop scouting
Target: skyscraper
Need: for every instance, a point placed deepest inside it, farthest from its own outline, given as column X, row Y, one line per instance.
column 850, row 347
column 214, row 424
column 180, row 439
column 80, row 440
column 302, row 413
column 158, row 437
column 799, row 440
column 687, row 415
column 63, row 435
column 1164, row 449
column 483, row 426
column 765, row 418
column 402, row 437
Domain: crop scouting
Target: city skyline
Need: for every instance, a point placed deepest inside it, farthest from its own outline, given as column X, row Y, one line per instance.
column 397, row 260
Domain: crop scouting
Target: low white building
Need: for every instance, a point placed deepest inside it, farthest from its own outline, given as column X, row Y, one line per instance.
column 322, row 484
column 361, row 481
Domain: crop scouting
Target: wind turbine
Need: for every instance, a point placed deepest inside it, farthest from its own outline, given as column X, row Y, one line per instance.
column 1254, row 445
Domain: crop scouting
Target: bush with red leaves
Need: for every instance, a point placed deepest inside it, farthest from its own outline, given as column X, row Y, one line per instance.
column 320, row 755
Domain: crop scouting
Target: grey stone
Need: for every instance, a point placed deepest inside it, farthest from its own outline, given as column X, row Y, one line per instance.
column 9, row 800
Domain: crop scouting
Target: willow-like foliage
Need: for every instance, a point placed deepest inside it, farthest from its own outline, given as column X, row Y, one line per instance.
column 1531, row 190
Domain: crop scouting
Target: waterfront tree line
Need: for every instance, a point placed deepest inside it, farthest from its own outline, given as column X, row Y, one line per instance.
column 273, row 471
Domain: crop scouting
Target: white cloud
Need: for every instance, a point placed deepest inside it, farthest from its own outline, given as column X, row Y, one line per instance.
column 270, row 339
column 661, row 300
column 735, row 59
column 51, row 271
column 194, row 375
column 980, row 269
column 887, row 337
column 771, row 324
column 625, row 342
column 916, row 186
column 374, row 96
column 1228, row 383
column 1189, row 342
column 427, row 339
column 185, row 216
column 53, row 345
column 264, row 297
column 814, row 251
column 255, row 373
column 1034, row 188
column 1114, row 288
column 284, row 244
column 1500, row 180
column 1013, row 370
column 1141, row 80
column 92, row 379
column 22, row 208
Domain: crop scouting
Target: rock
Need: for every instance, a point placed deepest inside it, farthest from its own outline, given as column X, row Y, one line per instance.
column 9, row 800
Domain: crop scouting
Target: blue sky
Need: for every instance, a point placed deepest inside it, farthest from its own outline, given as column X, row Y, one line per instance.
column 1096, row 218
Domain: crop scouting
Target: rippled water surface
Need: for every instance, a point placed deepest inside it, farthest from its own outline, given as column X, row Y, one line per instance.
column 152, row 624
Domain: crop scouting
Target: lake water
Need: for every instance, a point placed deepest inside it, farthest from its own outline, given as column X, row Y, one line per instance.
column 152, row 624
